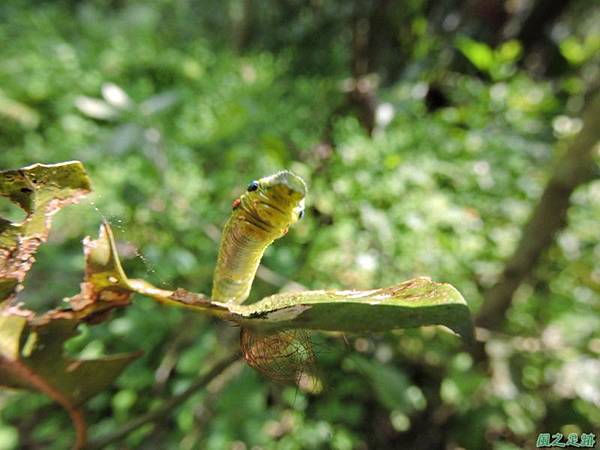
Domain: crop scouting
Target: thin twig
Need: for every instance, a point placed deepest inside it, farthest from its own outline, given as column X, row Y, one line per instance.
column 182, row 334
column 574, row 168
column 205, row 410
column 170, row 404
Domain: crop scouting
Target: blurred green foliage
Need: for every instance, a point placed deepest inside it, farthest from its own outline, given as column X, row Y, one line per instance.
column 174, row 106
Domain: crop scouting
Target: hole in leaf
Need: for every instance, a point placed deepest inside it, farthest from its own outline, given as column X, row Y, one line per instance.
column 10, row 211
column 47, row 282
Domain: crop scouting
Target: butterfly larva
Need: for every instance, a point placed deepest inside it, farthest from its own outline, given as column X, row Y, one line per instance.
column 262, row 214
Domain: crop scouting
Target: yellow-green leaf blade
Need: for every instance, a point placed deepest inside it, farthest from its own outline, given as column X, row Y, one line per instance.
column 40, row 190
column 410, row 304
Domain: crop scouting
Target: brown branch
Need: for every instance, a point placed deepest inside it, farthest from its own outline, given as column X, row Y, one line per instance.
column 534, row 29
column 36, row 381
column 225, row 366
column 204, row 411
column 575, row 168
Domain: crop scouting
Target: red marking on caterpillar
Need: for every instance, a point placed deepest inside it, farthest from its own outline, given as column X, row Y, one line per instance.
column 236, row 203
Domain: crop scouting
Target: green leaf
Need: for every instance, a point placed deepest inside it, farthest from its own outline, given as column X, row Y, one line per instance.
column 573, row 50
column 414, row 303
column 32, row 357
column 410, row 304
column 478, row 53
column 393, row 387
column 509, row 51
column 40, row 190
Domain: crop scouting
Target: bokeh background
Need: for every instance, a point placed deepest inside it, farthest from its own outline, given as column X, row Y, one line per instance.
column 426, row 131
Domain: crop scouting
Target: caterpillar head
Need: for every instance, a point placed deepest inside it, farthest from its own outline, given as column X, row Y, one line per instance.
column 275, row 202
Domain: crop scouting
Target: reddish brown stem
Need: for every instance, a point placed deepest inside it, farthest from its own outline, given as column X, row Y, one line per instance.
column 39, row 383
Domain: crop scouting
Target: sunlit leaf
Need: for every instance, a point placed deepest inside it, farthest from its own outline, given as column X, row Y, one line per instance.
column 95, row 108
column 115, row 96
column 478, row 53
column 40, row 190
column 410, row 304
column 31, row 347
column 573, row 50
column 509, row 51
column 414, row 303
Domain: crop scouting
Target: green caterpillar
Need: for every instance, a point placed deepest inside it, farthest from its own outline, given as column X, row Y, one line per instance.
column 261, row 215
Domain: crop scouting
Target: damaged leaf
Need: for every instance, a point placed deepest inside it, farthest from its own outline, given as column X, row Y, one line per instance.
column 32, row 357
column 40, row 190
column 410, row 304
column 31, row 347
